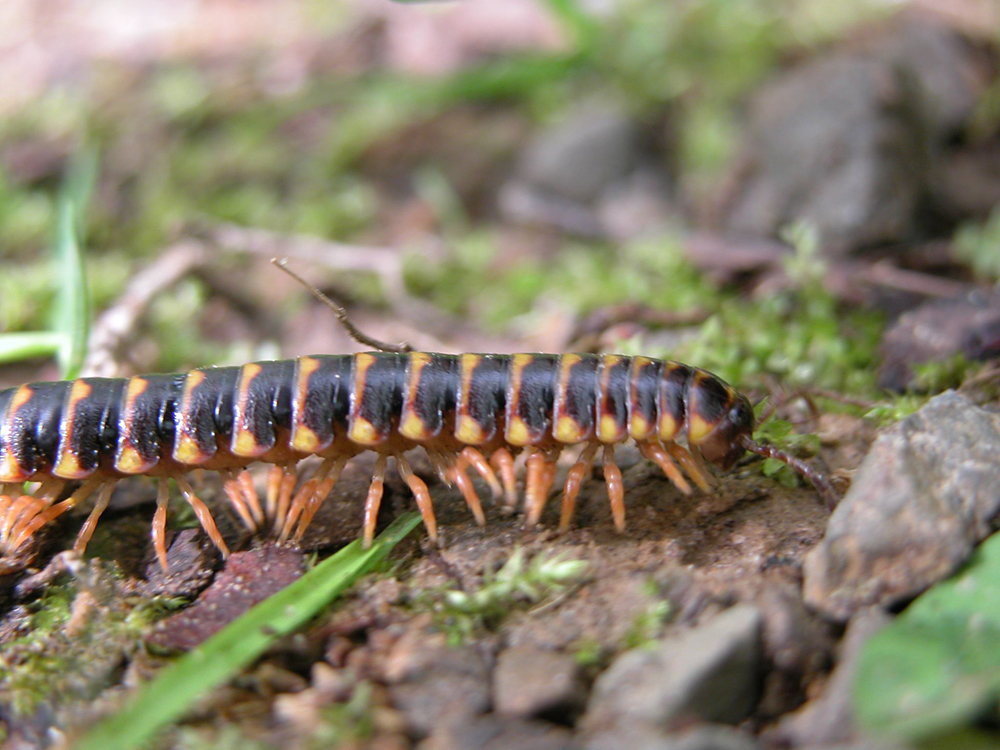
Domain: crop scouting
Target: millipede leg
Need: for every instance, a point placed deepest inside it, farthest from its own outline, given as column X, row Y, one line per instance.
column 541, row 474
column 504, row 463
column 159, row 528
column 616, row 489
column 87, row 531
column 273, row 489
column 478, row 461
column 299, row 502
column 421, row 494
column 458, row 476
column 49, row 490
column 574, row 481
column 374, row 500
column 49, row 514
column 659, row 456
column 13, row 514
column 691, row 465
column 232, row 489
column 203, row 513
column 323, row 490
column 245, row 481
column 19, row 516
column 285, row 491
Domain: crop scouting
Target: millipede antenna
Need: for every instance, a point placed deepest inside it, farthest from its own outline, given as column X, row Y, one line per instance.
column 818, row 479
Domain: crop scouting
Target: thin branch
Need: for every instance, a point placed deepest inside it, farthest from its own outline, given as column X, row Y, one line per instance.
column 116, row 324
column 352, row 330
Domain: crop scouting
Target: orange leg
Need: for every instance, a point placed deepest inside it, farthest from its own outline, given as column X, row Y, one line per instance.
column 477, row 460
column 203, row 513
column 574, row 481
column 421, row 494
column 616, row 489
column 273, row 489
column 456, row 475
column 315, row 502
column 45, row 516
column 159, row 529
column 87, row 531
column 374, row 500
column 541, row 474
column 238, row 501
column 245, row 481
column 658, row 456
column 504, row 463
column 285, row 496
column 693, row 466
column 13, row 515
column 20, row 515
column 49, row 514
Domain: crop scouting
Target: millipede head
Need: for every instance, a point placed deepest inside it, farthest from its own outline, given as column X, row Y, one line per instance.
column 724, row 445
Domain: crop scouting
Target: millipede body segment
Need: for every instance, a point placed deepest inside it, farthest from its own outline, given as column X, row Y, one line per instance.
column 468, row 411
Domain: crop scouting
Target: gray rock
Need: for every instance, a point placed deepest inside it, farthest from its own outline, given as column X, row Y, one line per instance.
column 797, row 643
column 943, row 67
column 927, row 492
column 499, row 733
column 829, row 719
column 643, row 737
column 968, row 325
column 578, row 157
column 711, row 673
column 529, row 681
column 836, row 142
column 436, row 686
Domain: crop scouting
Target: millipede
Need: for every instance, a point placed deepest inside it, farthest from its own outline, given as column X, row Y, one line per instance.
column 469, row 412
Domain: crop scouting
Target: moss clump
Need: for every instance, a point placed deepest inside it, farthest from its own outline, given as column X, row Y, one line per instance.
column 73, row 641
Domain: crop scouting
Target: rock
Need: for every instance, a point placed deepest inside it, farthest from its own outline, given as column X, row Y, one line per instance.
column 966, row 183
column 711, row 673
column 499, row 733
column 968, row 325
column 846, row 141
column 927, row 492
column 642, row 737
column 829, row 719
column 530, row 681
column 191, row 558
column 248, row 579
column 944, row 70
column 434, row 685
column 578, row 157
column 797, row 644
column 837, row 143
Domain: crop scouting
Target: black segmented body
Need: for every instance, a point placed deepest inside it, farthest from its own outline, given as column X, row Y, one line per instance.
column 72, row 429
column 99, row 429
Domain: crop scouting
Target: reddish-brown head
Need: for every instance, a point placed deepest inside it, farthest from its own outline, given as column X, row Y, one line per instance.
column 723, row 445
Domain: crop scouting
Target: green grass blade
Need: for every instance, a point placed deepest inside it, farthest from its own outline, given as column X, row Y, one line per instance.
column 15, row 347
column 72, row 309
column 172, row 692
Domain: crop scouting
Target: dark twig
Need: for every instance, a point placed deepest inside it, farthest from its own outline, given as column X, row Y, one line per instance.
column 341, row 314
column 116, row 324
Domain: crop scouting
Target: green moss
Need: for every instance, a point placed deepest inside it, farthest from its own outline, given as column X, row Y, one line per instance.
column 475, row 280
column 519, row 582
column 74, row 638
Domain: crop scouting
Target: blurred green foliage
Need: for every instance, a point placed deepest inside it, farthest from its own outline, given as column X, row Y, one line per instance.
column 978, row 246
column 931, row 674
column 519, row 582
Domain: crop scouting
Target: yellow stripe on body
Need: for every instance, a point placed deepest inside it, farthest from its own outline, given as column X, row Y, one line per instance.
column 67, row 464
